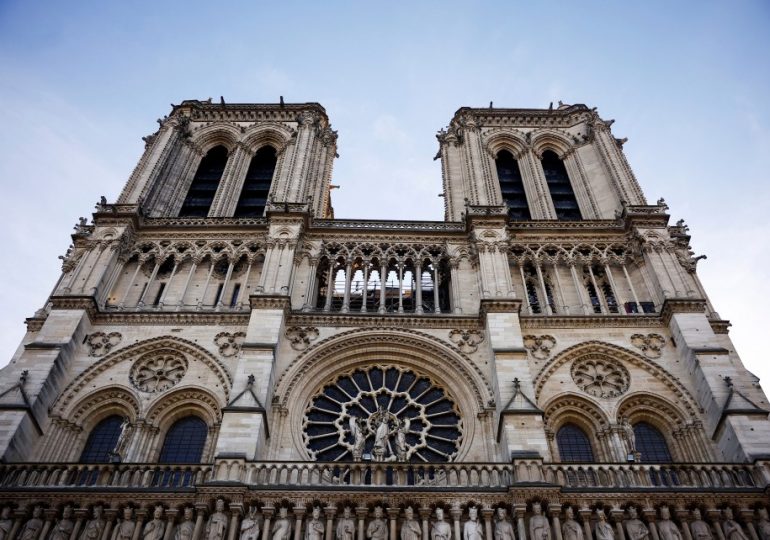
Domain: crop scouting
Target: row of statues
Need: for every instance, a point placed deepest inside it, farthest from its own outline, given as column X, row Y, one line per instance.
column 251, row 527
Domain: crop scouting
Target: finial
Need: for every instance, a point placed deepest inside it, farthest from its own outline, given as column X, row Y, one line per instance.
column 729, row 382
column 23, row 377
column 282, row 103
column 516, row 383
column 250, row 380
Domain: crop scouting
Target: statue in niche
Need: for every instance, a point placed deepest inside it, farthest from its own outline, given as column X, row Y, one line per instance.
column 381, row 436
column 314, row 529
column 403, row 429
column 186, row 528
column 155, row 528
column 503, row 527
column 410, row 529
column 441, row 530
column 603, row 530
column 634, row 527
column 358, row 431
column 763, row 524
column 700, row 529
column 282, row 527
column 346, row 527
column 33, row 526
column 216, row 527
column 571, row 529
column 667, row 529
column 473, row 529
column 377, row 529
column 63, row 528
column 94, row 526
column 539, row 528
column 731, row 528
column 6, row 523
column 250, row 526
column 122, row 443
column 628, row 434
column 125, row 527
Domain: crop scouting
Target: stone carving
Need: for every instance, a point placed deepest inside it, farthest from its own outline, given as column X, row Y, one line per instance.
column 186, row 528
column 155, row 528
column 100, row 343
column 282, row 527
column 377, row 529
column 635, row 529
column 95, row 526
column 473, row 529
column 124, row 530
column 600, row 377
column 229, row 344
column 33, row 526
column 571, row 529
column 650, row 345
column 346, row 526
column 763, row 524
column 731, row 528
column 216, row 527
column 539, row 529
column 6, row 523
column 381, row 434
column 627, row 432
column 358, row 431
column 503, row 527
column 158, row 371
column 410, row 529
column 63, row 528
column 300, row 337
column 250, row 525
column 540, row 346
column 466, row 340
column 440, row 530
column 699, row 528
column 401, row 431
column 667, row 529
column 314, row 528
column 603, row 530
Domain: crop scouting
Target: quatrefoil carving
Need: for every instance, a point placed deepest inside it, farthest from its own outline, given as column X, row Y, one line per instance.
column 100, row 343
column 229, row 344
column 650, row 345
column 467, row 340
column 300, row 337
column 540, row 346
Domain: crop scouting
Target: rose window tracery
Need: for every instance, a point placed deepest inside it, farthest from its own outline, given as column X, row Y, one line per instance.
column 382, row 413
column 600, row 377
column 158, row 371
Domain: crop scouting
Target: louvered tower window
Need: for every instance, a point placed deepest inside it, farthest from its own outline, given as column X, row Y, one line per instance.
column 512, row 186
column 256, row 186
column 205, row 183
column 559, row 185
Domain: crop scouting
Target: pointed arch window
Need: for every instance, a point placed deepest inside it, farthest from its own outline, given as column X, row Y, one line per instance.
column 256, row 186
column 574, row 445
column 651, row 444
column 512, row 186
column 562, row 194
column 184, row 441
column 205, row 183
column 102, row 440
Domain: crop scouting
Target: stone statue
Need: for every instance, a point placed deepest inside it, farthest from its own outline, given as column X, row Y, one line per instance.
column 763, row 525
column 539, row 528
column 216, row 527
column 700, row 529
column 124, row 530
column 571, row 529
column 282, row 527
column 667, row 529
column 503, row 527
column 441, row 530
column 155, row 528
column 401, row 432
column 378, row 529
column 381, row 436
column 186, row 528
column 358, row 430
column 63, row 528
column 95, row 526
column 634, row 527
column 603, row 530
column 346, row 527
column 410, row 529
column 122, row 442
column 250, row 526
column 33, row 526
column 732, row 529
column 314, row 529
column 6, row 523
column 628, row 434
column 473, row 530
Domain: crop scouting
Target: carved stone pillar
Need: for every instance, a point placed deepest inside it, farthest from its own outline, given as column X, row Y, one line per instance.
column 520, row 510
column 109, row 521
column 487, row 514
column 456, row 514
column 554, row 510
column 361, row 513
column 170, row 518
column 424, row 516
column 80, row 516
column 235, row 513
column 330, row 511
column 393, row 516
column 200, row 510
column 141, row 515
column 617, row 518
column 299, row 515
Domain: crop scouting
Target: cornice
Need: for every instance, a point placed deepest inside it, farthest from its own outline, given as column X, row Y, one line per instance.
column 681, row 305
column 273, row 301
column 493, row 117
column 203, row 111
column 376, row 320
column 387, row 225
column 720, row 326
column 590, row 321
column 180, row 318
column 500, row 305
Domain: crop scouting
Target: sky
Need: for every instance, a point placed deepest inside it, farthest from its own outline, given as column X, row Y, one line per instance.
column 687, row 82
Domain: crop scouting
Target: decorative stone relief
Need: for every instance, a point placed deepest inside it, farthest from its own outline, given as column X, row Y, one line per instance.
column 301, row 336
column 229, row 344
column 650, row 345
column 540, row 346
column 100, row 343
column 158, row 371
column 600, row 377
column 467, row 340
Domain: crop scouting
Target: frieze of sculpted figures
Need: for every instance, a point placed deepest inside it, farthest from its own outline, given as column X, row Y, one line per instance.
column 763, row 524
column 667, row 529
column 6, row 523
column 124, row 530
column 539, row 528
column 377, row 528
column 94, row 527
column 33, row 526
column 250, row 525
column 154, row 529
column 700, row 529
column 731, row 528
column 186, row 528
column 503, row 527
column 346, row 525
column 635, row 528
column 603, row 530
column 282, row 526
column 571, row 529
column 440, row 530
column 410, row 528
column 473, row 529
column 62, row 530
column 314, row 528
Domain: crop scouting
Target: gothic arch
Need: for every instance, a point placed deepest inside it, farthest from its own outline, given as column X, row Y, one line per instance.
column 660, row 413
column 116, row 399
column 551, row 139
column 506, row 139
column 214, row 134
column 581, row 411
column 274, row 134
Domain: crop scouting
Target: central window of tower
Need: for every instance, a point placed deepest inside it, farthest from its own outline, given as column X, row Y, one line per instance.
column 512, row 186
column 256, row 186
column 562, row 194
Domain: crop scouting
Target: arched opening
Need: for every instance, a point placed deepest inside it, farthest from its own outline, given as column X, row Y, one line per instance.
column 574, row 446
column 205, row 183
column 102, row 440
column 512, row 186
column 256, row 186
column 562, row 194
column 184, row 441
column 651, row 444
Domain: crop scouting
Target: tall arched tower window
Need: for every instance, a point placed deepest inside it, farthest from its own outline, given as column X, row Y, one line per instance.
column 651, row 444
column 574, row 445
column 102, row 440
column 562, row 194
column 512, row 186
column 184, row 441
column 205, row 183
column 256, row 186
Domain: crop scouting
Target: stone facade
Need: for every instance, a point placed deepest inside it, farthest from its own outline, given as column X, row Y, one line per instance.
column 382, row 379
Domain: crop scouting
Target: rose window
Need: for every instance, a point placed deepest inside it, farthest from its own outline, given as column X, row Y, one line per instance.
column 382, row 414
column 600, row 377
column 157, row 372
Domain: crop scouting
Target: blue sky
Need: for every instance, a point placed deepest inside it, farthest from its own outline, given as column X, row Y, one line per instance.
column 687, row 82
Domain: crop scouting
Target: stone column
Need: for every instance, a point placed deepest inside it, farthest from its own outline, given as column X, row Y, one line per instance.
column 715, row 515
column 633, row 290
column 190, row 273
column 202, row 299
column 400, row 287
column 170, row 516
column 424, row 516
column 139, row 262
column 617, row 518
column 454, row 265
column 235, row 513
column 267, row 514
column 418, row 286
column 393, row 516
column 436, row 306
column 519, row 510
column 585, row 515
column 487, row 514
column 683, row 516
column 348, row 280
column 140, row 303
column 554, row 510
column 50, row 516
column 80, row 516
column 649, row 514
column 330, row 512
column 361, row 513
column 748, row 517
column 383, row 279
column 200, row 510
column 599, row 292
column 456, row 514
column 162, row 299
column 329, row 286
column 299, row 516
column 140, row 516
column 109, row 521
column 365, row 291
column 229, row 273
column 539, row 270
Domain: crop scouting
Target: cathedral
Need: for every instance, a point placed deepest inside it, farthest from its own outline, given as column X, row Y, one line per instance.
column 224, row 359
